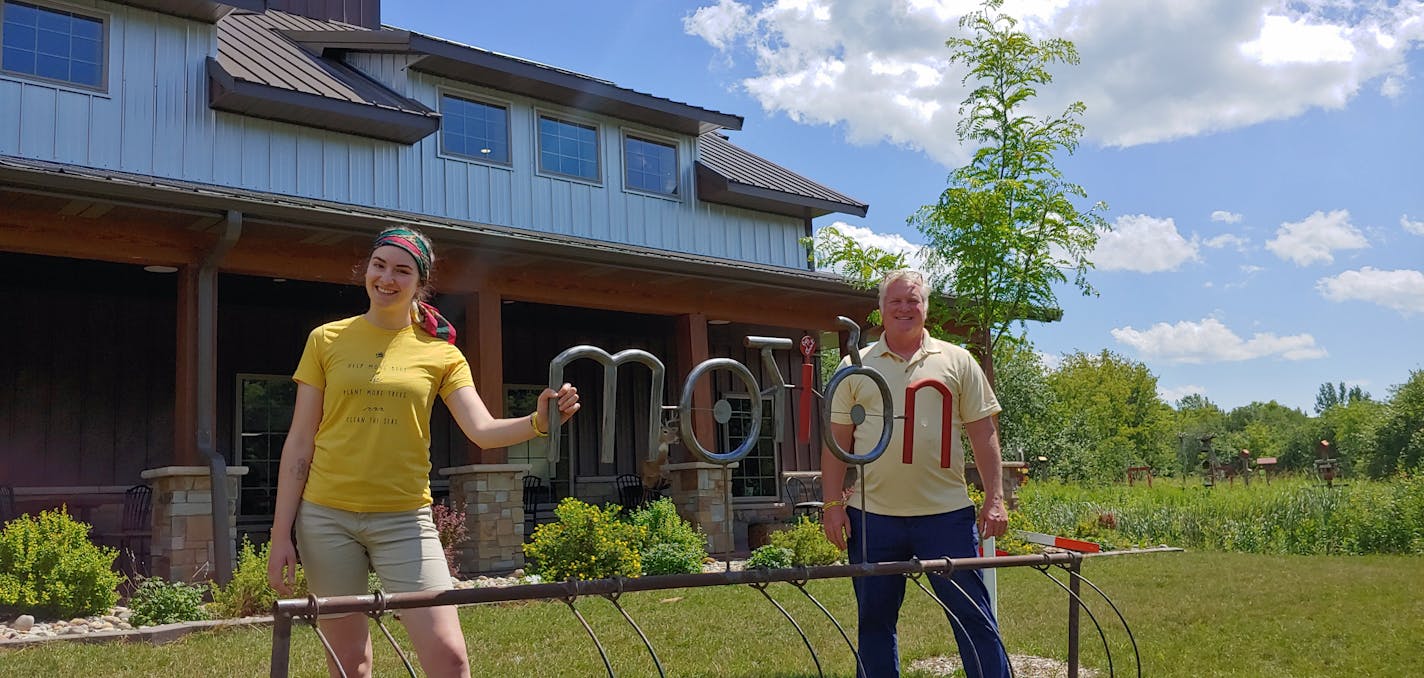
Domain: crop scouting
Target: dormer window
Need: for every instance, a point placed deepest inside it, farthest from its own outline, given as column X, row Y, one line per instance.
column 52, row 44
column 474, row 129
column 649, row 166
column 568, row 148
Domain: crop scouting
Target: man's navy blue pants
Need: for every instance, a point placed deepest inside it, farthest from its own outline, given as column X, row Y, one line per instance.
column 941, row 535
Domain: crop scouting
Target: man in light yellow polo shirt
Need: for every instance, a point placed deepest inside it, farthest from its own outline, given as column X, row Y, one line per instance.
column 919, row 509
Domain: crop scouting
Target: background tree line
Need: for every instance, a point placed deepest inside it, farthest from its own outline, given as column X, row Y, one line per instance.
column 1096, row 414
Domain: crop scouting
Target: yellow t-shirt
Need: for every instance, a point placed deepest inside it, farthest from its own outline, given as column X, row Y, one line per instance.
column 922, row 487
column 373, row 445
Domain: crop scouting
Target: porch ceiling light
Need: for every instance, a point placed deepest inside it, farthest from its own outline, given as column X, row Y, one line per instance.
column 718, row 322
column 159, row 268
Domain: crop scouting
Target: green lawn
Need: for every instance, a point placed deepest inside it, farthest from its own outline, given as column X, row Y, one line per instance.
column 1195, row 614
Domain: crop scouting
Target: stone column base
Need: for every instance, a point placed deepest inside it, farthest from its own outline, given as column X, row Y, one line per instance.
column 182, row 542
column 702, row 493
column 492, row 496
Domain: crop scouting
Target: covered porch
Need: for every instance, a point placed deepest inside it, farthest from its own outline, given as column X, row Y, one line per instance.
column 170, row 320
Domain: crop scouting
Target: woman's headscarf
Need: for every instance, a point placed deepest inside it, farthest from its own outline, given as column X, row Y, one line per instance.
column 418, row 248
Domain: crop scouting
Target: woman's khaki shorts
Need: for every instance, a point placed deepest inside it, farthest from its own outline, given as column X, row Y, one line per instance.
column 339, row 547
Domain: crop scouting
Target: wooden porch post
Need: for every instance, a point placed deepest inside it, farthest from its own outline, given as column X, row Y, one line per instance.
column 185, row 388
column 484, row 325
column 691, row 350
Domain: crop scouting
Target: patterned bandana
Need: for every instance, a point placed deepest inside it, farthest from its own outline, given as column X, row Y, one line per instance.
column 431, row 321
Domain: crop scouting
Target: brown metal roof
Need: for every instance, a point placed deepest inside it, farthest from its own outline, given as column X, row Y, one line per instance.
column 260, row 72
column 730, row 175
column 474, row 65
column 147, row 191
column 200, row 10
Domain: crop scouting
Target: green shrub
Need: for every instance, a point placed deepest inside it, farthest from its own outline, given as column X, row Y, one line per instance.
column 166, row 602
column 808, row 544
column 672, row 559
column 49, row 568
column 670, row 544
column 585, row 542
column 249, row 594
column 769, row 557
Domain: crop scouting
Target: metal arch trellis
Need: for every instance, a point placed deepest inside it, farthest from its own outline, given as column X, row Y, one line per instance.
column 375, row 605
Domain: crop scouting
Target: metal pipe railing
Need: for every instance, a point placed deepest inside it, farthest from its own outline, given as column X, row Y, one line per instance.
column 285, row 611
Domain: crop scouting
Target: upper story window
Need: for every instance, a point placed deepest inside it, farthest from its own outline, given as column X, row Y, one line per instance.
column 649, row 166
column 568, row 148
column 474, row 129
column 52, row 44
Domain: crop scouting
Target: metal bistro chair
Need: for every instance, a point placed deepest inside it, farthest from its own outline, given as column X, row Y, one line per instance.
column 802, row 496
column 538, row 499
column 136, row 530
column 631, row 493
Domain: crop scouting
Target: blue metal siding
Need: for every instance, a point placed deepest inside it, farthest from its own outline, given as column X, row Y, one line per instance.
column 154, row 119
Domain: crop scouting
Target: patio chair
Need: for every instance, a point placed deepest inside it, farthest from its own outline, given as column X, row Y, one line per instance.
column 631, row 493
column 136, row 530
column 538, row 503
column 803, row 498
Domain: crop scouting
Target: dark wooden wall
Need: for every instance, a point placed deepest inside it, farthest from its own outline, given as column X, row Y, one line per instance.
column 536, row 333
column 729, row 341
column 86, row 372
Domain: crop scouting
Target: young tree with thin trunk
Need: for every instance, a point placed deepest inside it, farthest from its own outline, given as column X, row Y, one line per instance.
column 1008, row 226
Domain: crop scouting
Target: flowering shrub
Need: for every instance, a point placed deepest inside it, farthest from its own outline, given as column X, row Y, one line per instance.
column 670, row 544
column 585, row 542
column 807, row 543
column 769, row 557
column 451, row 526
column 668, row 558
column 49, row 568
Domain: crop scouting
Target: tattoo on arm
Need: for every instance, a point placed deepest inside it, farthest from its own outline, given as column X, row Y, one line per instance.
column 301, row 469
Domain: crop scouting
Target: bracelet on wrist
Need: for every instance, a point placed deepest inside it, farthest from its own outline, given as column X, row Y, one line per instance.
column 534, row 424
column 832, row 504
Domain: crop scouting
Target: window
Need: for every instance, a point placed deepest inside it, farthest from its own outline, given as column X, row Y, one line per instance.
column 52, row 44
column 649, row 166
column 474, row 129
column 568, row 148
column 265, row 405
column 755, row 475
column 519, row 400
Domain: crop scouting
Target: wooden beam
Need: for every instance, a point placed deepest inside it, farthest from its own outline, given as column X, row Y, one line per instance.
column 185, row 386
column 122, row 236
column 485, row 326
column 692, row 350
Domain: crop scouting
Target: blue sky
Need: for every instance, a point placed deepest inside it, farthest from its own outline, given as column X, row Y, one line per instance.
column 1261, row 159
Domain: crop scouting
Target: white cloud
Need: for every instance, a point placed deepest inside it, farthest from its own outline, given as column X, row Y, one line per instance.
column 1226, row 217
column 1209, row 341
column 1175, row 393
column 1415, row 227
column 719, row 24
column 1051, row 361
column 893, row 243
column 1249, row 269
column 1227, row 240
column 1401, row 290
column 1150, row 71
column 1315, row 238
column 1143, row 244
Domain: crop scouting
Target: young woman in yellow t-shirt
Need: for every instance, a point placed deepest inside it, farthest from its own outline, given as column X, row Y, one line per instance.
column 354, row 478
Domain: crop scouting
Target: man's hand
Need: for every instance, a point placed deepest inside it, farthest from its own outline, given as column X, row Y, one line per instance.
column 994, row 519
column 836, row 525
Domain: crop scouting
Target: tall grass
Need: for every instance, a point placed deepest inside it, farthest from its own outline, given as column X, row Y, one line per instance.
column 1288, row 516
